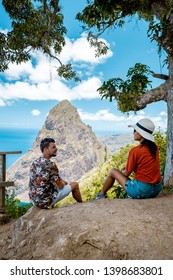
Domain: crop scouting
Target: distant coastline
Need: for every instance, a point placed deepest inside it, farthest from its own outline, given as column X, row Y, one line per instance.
column 115, row 142
column 108, row 132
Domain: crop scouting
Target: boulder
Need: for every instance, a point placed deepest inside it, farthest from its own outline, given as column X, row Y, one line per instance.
column 118, row 229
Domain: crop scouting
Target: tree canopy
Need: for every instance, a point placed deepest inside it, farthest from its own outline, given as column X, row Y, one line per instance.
column 103, row 15
column 36, row 25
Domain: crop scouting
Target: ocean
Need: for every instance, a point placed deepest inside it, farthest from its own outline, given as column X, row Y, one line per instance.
column 16, row 140
column 12, row 139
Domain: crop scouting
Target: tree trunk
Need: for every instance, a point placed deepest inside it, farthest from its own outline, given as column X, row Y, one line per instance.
column 168, row 174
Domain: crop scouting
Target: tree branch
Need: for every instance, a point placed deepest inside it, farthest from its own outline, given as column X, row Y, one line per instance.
column 153, row 95
column 55, row 57
column 161, row 76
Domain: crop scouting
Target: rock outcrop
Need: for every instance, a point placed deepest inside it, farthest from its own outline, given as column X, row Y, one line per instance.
column 119, row 229
column 79, row 150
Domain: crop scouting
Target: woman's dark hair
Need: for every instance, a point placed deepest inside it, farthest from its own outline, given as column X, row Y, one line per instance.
column 151, row 146
column 45, row 143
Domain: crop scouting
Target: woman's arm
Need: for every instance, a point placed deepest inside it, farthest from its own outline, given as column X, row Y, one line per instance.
column 126, row 173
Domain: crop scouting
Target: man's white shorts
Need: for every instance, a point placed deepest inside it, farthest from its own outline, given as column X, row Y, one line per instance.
column 61, row 193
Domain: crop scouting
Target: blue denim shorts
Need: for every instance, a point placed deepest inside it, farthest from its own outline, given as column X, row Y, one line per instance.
column 138, row 189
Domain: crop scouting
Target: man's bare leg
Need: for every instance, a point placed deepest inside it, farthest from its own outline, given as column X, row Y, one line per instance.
column 76, row 192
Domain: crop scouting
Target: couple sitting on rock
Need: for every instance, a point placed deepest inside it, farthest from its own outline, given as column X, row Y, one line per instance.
column 47, row 187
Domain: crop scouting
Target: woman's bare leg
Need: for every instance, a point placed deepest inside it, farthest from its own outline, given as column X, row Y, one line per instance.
column 113, row 175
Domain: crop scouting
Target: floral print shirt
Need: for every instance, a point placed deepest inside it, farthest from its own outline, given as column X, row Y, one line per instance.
column 43, row 177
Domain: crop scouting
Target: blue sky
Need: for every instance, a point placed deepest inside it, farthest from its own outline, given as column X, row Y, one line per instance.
column 28, row 91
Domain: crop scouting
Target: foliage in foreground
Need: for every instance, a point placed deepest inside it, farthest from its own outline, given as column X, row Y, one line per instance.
column 13, row 209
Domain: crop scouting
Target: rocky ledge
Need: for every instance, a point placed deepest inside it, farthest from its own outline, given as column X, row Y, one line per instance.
column 119, row 229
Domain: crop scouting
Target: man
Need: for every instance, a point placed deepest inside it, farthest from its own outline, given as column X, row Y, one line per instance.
column 46, row 186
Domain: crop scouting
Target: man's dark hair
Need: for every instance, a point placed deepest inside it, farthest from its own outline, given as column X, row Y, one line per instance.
column 45, row 143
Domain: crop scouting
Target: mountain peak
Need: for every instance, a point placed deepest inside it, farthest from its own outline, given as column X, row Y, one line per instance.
column 62, row 111
column 63, row 105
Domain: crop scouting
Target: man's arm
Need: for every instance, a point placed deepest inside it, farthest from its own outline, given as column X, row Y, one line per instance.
column 60, row 183
column 57, row 181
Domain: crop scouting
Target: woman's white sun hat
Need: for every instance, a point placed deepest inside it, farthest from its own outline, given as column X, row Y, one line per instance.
column 145, row 127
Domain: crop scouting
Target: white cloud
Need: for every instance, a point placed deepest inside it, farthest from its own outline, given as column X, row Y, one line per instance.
column 87, row 89
column 4, row 31
column 35, row 112
column 80, row 50
column 17, row 72
column 38, row 80
column 2, row 103
column 56, row 90
column 121, row 122
column 163, row 113
column 104, row 115
column 27, row 72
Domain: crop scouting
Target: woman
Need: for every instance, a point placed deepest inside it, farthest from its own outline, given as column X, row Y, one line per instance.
column 143, row 160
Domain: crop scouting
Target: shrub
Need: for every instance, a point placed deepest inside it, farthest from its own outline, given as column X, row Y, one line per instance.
column 160, row 139
column 13, row 209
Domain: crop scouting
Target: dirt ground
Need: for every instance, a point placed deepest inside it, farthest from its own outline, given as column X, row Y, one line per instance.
column 103, row 229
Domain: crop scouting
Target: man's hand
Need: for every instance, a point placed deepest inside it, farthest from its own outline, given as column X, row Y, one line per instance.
column 60, row 184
